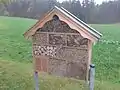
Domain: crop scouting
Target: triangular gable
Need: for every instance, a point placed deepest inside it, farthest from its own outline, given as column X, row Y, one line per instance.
column 74, row 23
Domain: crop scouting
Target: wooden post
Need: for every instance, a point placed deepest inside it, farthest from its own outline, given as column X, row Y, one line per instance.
column 92, row 76
column 36, row 80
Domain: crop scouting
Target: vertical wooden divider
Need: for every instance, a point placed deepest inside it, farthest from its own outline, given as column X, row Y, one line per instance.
column 48, row 57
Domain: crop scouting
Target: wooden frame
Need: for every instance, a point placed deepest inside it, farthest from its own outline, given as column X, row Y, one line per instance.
column 84, row 32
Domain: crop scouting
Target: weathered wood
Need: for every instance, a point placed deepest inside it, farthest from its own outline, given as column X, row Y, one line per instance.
column 57, row 33
column 66, row 50
column 89, row 58
column 41, row 63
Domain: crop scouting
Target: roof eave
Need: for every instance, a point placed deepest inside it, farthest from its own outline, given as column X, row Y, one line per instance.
column 91, row 30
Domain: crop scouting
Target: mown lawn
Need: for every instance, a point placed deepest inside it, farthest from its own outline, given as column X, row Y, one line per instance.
column 16, row 67
column 106, row 53
column 13, row 45
column 19, row 76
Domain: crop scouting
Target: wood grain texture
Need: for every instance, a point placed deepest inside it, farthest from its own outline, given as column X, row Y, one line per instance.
column 65, row 48
column 41, row 64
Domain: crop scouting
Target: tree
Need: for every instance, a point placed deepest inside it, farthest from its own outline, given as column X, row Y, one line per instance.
column 88, row 11
column 5, row 4
column 52, row 3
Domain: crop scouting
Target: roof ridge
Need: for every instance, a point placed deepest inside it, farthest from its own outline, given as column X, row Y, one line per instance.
column 70, row 16
column 78, row 20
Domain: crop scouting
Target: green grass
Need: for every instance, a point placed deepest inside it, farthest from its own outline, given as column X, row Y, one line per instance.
column 106, row 53
column 109, row 31
column 15, row 56
column 11, row 78
column 19, row 76
column 13, row 45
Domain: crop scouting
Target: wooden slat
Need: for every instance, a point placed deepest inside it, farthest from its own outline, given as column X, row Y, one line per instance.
column 38, row 64
column 41, row 63
column 59, row 33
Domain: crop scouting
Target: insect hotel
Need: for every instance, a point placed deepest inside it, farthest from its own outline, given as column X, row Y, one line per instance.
column 62, row 44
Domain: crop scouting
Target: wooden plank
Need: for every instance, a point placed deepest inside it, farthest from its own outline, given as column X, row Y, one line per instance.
column 38, row 64
column 57, row 33
column 81, row 47
column 41, row 63
column 44, row 65
column 89, row 58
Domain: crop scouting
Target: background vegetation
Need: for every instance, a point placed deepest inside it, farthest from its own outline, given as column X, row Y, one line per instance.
column 16, row 67
column 87, row 10
column 15, row 52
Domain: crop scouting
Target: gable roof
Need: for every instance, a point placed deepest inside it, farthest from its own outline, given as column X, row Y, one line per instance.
column 74, row 22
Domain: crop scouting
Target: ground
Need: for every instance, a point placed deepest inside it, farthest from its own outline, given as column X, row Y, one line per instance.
column 16, row 67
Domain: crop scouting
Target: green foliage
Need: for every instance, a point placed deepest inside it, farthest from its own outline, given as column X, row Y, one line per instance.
column 86, row 10
column 106, row 53
column 14, row 47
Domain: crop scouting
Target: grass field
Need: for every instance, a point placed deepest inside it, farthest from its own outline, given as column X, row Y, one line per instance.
column 15, row 56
